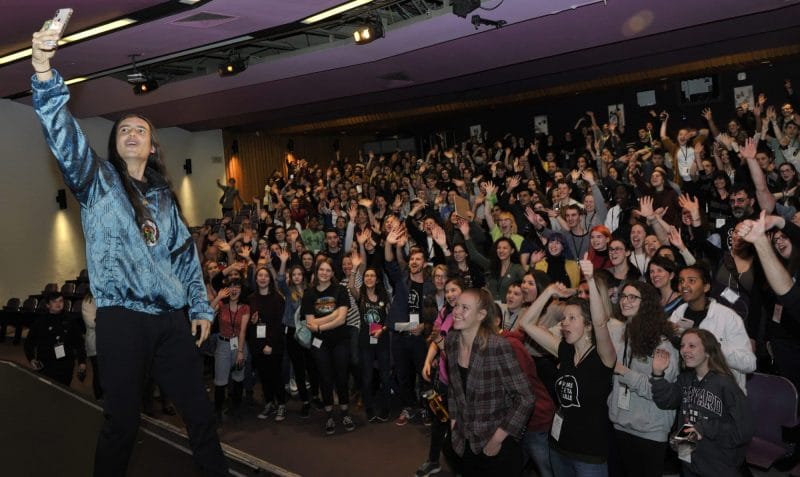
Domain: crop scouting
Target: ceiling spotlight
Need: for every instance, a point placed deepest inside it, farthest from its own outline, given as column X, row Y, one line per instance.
column 368, row 32
column 150, row 84
column 233, row 66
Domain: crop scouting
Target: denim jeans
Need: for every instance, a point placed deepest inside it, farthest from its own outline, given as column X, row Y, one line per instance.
column 564, row 466
column 535, row 446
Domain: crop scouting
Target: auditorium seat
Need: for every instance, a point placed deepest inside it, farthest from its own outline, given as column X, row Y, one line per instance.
column 774, row 400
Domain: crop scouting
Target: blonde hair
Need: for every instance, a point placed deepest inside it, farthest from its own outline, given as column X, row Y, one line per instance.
column 508, row 215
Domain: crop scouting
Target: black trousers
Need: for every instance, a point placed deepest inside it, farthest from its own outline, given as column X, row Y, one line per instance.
column 332, row 360
column 507, row 462
column 60, row 370
column 97, row 387
column 268, row 367
column 130, row 345
column 408, row 352
column 639, row 456
column 303, row 365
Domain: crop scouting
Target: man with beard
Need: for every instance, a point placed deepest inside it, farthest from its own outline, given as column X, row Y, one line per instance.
column 407, row 317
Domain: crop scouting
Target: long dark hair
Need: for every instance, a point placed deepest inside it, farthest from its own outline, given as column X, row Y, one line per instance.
column 645, row 331
column 154, row 162
column 494, row 261
column 380, row 291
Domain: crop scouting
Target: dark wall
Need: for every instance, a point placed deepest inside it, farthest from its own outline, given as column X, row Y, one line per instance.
column 563, row 112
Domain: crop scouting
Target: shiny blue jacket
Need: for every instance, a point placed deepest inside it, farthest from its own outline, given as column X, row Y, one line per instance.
column 123, row 269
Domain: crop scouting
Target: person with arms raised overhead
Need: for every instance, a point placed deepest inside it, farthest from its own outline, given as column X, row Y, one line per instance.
column 143, row 268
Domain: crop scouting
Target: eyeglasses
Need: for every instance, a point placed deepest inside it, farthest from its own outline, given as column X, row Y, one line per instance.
column 624, row 297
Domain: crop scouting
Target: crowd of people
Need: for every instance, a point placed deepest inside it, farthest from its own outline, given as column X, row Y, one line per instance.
column 578, row 304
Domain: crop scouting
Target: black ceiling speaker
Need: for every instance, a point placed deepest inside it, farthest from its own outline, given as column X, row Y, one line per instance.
column 463, row 8
column 235, row 147
column 61, row 199
column 187, row 166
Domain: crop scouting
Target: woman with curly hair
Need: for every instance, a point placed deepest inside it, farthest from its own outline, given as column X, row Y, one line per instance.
column 640, row 427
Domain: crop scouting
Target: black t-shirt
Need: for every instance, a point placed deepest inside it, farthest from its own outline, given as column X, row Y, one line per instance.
column 582, row 392
column 415, row 297
column 373, row 313
column 323, row 303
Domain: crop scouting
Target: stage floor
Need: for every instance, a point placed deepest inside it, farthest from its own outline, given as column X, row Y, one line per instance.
column 48, row 430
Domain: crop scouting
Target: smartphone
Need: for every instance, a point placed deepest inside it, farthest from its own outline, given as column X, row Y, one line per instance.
column 684, row 433
column 59, row 24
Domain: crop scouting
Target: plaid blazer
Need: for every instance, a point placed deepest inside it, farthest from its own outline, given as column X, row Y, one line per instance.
column 497, row 395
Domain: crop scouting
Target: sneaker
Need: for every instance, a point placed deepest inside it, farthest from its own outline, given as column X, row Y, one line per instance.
column 292, row 386
column 383, row 415
column 404, row 417
column 371, row 416
column 426, row 417
column 269, row 409
column 280, row 414
column 305, row 411
column 348, row 423
column 428, row 468
column 330, row 427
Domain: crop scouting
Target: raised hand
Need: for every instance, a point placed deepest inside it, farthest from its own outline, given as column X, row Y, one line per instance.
column 363, row 236
column 562, row 291
column 438, row 235
column 646, row 207
column 490, row 189
column 394, row 236
column 707, row 114
column 352, row 211
column 587, row 267
column 749, row 149
column 245, row 251
column 771, row 114
column 284, row 255
column 691, row 204
column 356, row 259
column 365, row 203
column 223, row 246
column 463, row 226
column 754, row 230
column 537, row 257
column 43, row 47
column 513, row 182
column 660, row 361
column 675, row 238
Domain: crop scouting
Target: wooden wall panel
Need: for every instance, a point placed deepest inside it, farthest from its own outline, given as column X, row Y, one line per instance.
column 260, row 155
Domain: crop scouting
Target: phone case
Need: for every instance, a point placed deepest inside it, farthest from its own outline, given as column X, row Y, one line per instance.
column 59, row 23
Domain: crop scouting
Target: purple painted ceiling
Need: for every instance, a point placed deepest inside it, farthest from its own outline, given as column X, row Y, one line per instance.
column 440, row 55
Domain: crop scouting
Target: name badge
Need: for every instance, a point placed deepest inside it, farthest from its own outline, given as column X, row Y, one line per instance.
column 316, row 342
column 413, row 318
column 373, row 340
column 776, row 313
column 234, row 343
column 720, row 223
column 261, row 331
column 730, row 295
column 624, row 399
column 60, row 353
column 555, row 431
